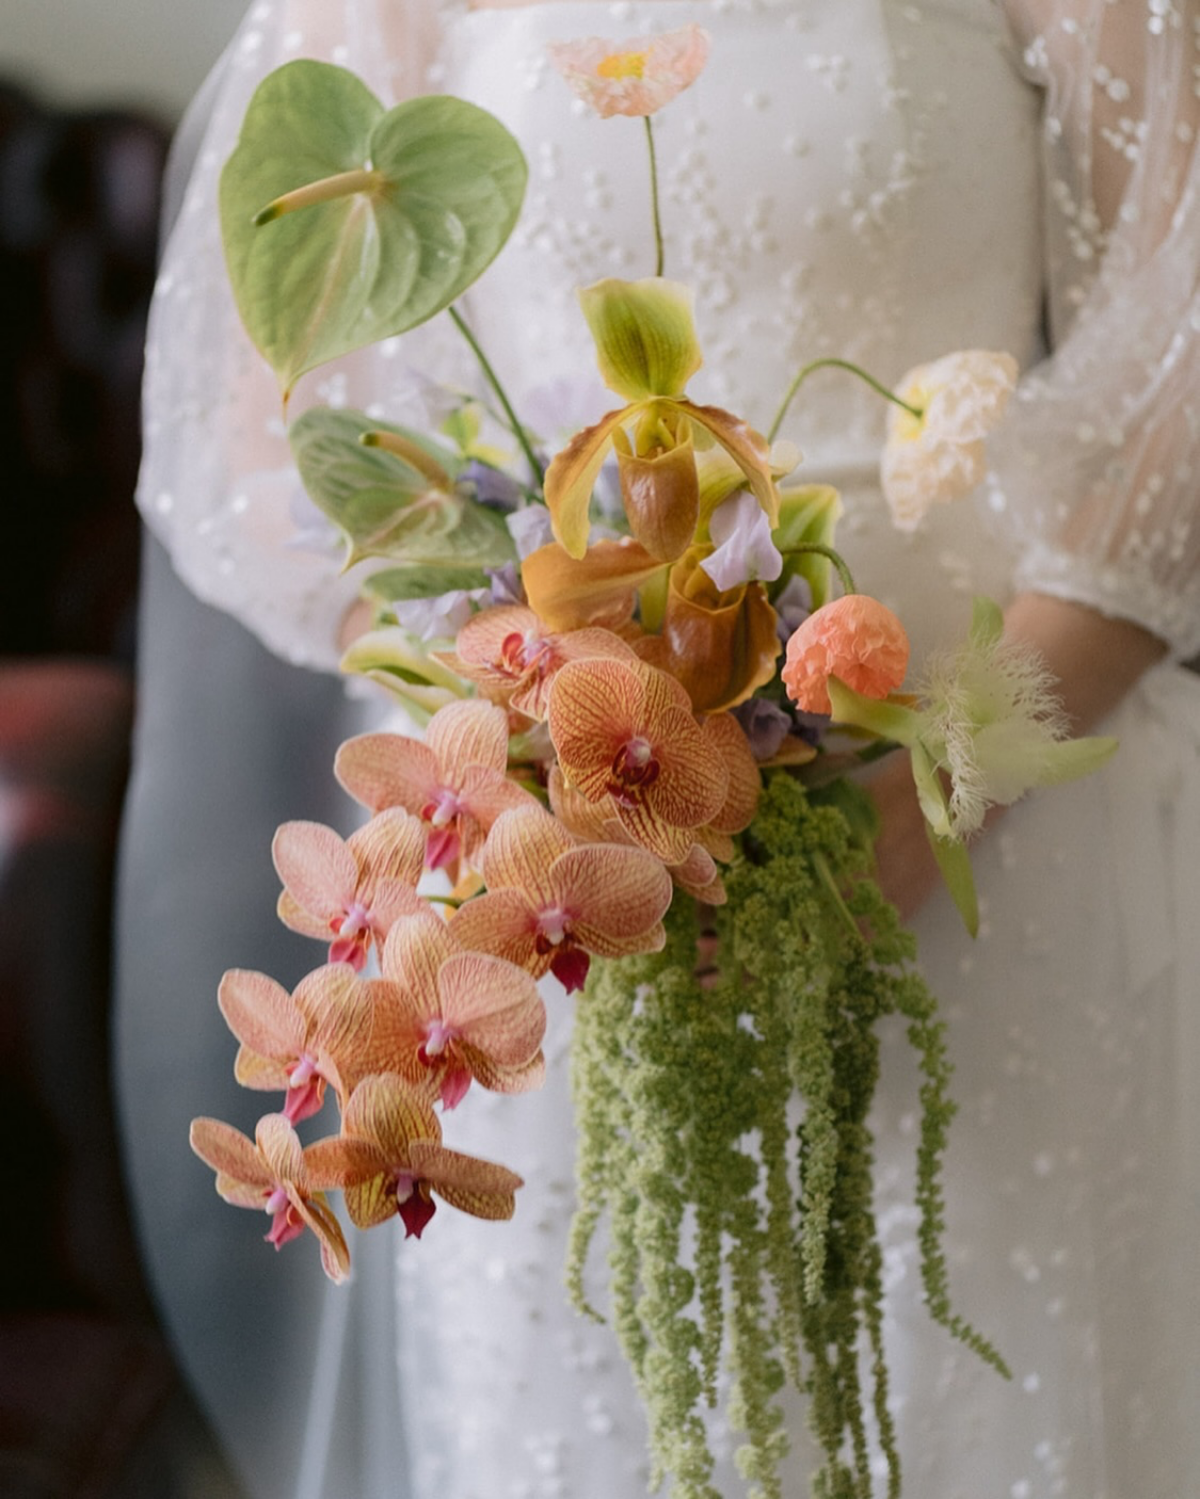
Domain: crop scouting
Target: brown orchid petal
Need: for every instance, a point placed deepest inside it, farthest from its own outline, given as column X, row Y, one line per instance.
column 698, row 876
column 336, row 1004
column 599, row 589
column 341, row 1161
column 574, row 645
column 662, row 498
column 595, row 708
column 393, row 902
column 468, row 733
column 265, row 1074
column 279, row 1145
column 315, row 866
column 230, row 1153
column 484, row 795
column 372, row 1202
column 413, row 955
column 389, row 847
column 504, row 924
column 241, row 1194
column 793, row 751
column 745, row 779
column 748, row 449
column 572, row 476
column 297, row 919
column 591, row 822
column 385, row 1110
column 720, row 646
column 479, row 1187
column 261, row 1013
column 692, row 780
column 666, row 841
column 496, row 1079
column 399, row 1020
column 520, row 849
column 617, row 893
column 720, row 845
column 335, row 1253
column 387, row 770
column 493, row 1006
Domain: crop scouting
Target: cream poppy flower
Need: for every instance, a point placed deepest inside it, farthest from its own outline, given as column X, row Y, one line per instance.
column 634, row 77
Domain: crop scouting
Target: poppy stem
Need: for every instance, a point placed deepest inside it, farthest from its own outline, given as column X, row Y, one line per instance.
column 838, row 364
column 489, row 374
column 836, row 558
column 659, row 254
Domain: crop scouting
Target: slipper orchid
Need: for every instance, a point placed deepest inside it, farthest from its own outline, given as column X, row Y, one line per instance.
column 551, row 903
column 298, row 1042
column 626, row 737
column 271, row 1174
column 354, row 889
column 445, row 1016
column 396, row 1133
column 647, row 351
column 454, row 782
column 635, row 77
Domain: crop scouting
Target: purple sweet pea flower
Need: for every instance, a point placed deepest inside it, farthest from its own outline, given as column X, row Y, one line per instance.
column 530, row 529
column 741, row 534
column 490, row 486
column 792, row 606
column 504, row 585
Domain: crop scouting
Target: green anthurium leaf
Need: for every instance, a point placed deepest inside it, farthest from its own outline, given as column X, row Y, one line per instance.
column 421, row 200
column 806, row 515
column 387, row 507
column 390, row 658
column 420, row 582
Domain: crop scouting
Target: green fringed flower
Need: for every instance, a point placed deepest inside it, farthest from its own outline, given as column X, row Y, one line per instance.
column 738, row 1237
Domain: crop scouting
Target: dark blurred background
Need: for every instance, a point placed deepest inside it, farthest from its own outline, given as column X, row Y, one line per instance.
column 91, row 1406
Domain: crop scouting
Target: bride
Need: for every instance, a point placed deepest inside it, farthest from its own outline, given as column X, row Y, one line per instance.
column 874, row 179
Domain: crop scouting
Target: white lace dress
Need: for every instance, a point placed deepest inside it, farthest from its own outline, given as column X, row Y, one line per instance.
column 882, row 181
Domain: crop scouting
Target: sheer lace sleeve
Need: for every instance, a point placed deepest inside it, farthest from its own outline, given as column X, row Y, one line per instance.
column 1098, row 472
column 217, row 484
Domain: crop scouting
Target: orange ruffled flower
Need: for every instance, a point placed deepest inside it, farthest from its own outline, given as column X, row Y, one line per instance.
column 856, row 639
column 634, row 77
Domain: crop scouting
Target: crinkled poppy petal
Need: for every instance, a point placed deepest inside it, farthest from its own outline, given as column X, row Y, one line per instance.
column 229, row 1153
column 261, row 1014
column 599, row 589
column 570, row 480
column 316, row 867
column 493, row 1006
column 387, row 770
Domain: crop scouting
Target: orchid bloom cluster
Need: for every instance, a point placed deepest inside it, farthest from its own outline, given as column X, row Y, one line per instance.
column 615, row 657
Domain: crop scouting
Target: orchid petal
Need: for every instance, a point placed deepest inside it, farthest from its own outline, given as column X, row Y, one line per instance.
column 261, row 1013
column 570, row 480
column 645, row 335
column 387, row 770
column 315, row 865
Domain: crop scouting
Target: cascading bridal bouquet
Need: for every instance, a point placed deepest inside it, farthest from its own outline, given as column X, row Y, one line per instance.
column 620, row 786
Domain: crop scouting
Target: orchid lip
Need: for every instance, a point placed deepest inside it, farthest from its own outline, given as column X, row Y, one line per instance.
column 278, row 1201
column 303, row 1072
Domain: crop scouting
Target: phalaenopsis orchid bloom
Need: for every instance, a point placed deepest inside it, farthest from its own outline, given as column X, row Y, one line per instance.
column 299, row 1042
column 396, row 1130
column 271, row 1174
column 454, row 782
column 552, row 902
column 354, row 889
column 445, row 1016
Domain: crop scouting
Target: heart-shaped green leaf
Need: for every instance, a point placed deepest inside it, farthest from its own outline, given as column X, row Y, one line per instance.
column 386, row 507
column 397, row 584
column 435, row 188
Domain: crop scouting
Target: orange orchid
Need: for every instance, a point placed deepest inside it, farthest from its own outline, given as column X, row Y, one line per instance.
column 551, row 903
column 445, row 1016
column 512, row 657
column 626, row 736
column 454, row 782
column 647, row 351
column 354, row 889
column 271, row 1174
column 397, row 1133
column 301, row 1041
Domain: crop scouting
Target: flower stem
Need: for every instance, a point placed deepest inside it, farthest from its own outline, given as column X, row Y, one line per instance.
column 659, row 255
column 518, row 431
column 836, row 558
column 839, row 364
column 342, row 185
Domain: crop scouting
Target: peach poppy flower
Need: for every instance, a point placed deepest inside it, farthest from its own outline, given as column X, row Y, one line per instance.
column 854, row 638
column 353, row 889
column 271, row 1174
column 552, row 903
column 395, row 1134
column 634, row 77
column 940, row 456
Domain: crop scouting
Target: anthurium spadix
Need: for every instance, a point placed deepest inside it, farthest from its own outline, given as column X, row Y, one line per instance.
column 345, row 223
column 647, row 351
